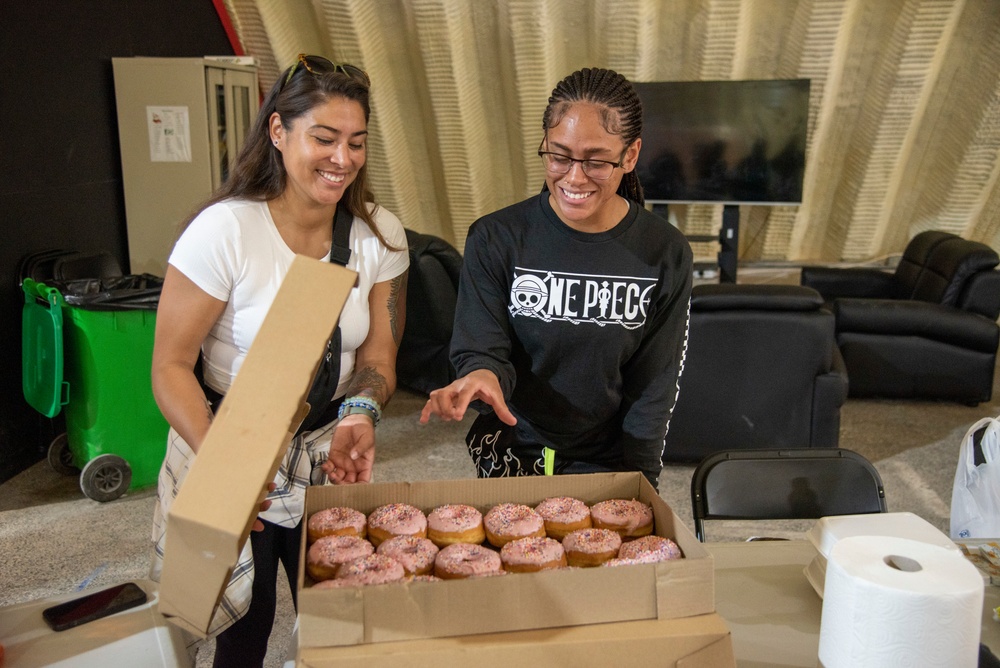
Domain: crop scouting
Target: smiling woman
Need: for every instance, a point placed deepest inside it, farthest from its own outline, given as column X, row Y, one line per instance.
column 572, row 308
column 299, row 187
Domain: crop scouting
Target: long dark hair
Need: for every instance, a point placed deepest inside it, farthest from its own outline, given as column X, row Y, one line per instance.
column 259, row 172
column 621, row 112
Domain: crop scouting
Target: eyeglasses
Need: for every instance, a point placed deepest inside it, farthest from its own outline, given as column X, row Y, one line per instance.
column 318, row 65
column 599, row 170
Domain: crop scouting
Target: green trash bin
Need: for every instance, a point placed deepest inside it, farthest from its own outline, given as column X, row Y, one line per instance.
column 87, row 349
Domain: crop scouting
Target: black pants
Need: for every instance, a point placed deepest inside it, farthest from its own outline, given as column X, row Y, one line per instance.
column 495, row 453
column 244, row 644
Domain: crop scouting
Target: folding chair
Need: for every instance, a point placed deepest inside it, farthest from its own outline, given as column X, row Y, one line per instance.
column 807, row 483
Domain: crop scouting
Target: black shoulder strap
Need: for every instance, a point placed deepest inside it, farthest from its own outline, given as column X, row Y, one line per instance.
column 322, row 408
column 340, row 252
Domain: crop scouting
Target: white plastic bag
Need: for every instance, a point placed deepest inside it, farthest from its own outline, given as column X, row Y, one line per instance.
column 975, row 497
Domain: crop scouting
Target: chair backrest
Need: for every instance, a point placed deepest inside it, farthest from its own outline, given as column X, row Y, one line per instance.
column 807, row 483
column 754, row 355
column 915, row 255
column 936, row 266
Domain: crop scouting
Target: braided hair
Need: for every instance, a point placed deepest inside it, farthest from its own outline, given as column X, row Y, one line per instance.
column 621, row 112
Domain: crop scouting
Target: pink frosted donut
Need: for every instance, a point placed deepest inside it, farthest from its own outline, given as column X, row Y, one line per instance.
column 415, row 555
column 563, row 514
column 629, row 517
column 327, row 554
column 338, row 521
column 591, row 547
column 335, row 584
column 455, row 523
column 371, row 570
column 488, row 575
column 509, row 521
column 527, row 555
column 464, row 560
column 650, row 548
column 396, row 519
column 618, row 561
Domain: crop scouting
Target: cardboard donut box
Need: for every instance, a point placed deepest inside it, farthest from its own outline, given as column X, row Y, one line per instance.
column 656, row 612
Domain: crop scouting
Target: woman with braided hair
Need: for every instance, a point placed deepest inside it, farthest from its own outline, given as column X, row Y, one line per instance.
column 571, row 322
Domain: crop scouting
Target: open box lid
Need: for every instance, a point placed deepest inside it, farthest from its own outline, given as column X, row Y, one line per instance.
column 211, row 517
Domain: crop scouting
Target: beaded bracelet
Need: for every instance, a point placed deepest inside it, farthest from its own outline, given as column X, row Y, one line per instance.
column 363, row 405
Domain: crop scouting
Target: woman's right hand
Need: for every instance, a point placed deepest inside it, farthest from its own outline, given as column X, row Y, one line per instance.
column 258, row 525
column 451, row 402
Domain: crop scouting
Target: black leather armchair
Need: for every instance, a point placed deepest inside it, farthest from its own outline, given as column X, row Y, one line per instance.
column 432, row 289
column 762, row 371
column 928, row 330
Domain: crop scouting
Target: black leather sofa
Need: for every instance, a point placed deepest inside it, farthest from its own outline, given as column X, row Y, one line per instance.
column 762, row 370
column 927, row 330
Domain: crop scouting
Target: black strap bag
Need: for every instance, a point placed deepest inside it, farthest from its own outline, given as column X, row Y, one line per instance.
column 322, row 408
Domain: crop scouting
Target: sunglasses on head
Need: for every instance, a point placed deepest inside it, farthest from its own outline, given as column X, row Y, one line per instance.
column 320, row 65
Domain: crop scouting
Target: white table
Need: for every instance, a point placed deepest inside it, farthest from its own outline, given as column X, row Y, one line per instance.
column 760, row 590
column 772, row 610
column 137, row 638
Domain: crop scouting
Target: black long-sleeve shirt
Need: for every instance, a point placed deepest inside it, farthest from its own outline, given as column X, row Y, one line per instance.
column 586, row 331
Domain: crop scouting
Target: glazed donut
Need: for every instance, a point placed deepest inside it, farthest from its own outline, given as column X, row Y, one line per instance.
column 455, row 523
column 650, row 549
column 563, row 514
column 396, row 519
column 509, row 521
column 326, row 555
column 338, row 521
column 415, row 555
column 591, row 547
column 464, row 560
column 527, row 555
column 629, row 517
column 425, row 578
column 371, row 570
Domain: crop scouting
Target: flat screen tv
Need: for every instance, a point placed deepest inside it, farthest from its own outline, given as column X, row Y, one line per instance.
column 729, row 142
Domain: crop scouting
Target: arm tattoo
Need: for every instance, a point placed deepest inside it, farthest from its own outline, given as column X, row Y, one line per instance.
column 397, row 288
column 368, row 382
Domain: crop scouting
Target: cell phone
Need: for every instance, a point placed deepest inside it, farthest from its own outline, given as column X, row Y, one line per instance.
column 93, row 606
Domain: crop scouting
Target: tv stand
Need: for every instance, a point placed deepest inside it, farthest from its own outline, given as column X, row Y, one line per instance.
column 729, row 243
column 729, row 239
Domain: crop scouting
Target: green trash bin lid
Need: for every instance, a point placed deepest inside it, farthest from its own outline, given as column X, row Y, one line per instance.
column 42, row 349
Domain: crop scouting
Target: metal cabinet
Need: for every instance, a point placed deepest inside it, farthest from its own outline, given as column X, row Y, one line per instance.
column 181, row 122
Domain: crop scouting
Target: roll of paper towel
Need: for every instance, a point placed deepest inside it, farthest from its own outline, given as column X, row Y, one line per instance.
column 899, row 602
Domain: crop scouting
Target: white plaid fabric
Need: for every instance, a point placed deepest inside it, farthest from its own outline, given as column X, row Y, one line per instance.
column 299, row 469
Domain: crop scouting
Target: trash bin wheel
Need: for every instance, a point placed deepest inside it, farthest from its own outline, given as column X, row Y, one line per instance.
column 61, row 457
column 105, row 478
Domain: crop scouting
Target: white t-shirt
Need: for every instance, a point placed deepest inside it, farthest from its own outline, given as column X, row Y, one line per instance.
column 233, row 251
